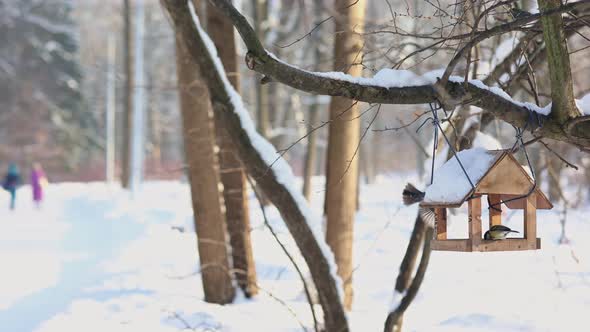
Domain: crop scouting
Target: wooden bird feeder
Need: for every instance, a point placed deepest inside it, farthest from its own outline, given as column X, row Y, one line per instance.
column 497, row 175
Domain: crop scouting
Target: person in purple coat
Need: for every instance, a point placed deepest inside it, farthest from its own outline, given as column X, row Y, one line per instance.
column 38, row 183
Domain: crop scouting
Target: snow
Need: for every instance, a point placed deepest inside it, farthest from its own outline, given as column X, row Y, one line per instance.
column 119, row 265
column 450, row 184
column 279, row 166
column 485, row 141
column 396, row 300
column 584, row 104
column 504, row 49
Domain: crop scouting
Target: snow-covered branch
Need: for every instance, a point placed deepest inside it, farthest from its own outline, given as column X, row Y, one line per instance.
column 403, row 87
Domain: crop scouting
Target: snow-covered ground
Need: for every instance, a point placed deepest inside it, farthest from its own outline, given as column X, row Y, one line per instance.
column 93, row 259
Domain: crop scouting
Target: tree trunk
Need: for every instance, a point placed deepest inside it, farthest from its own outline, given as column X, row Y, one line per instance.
column 203, row 171
column 232, row 173
column 311, row 153
column 314, row 115
column 128, row 109
column 343, row 138
column 289, row 202
column 260, row 11
column 562, row 86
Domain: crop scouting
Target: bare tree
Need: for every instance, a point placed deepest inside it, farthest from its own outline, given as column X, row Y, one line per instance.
column 290, row 203
column 203, row 174
column 342, row 174
column 233, row 176
column 128, row 107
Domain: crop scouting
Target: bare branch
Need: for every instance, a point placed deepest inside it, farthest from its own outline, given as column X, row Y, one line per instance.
column 455, row 93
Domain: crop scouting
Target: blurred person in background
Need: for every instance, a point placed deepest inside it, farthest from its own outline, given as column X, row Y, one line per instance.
column 11, row 182
column 38, row 183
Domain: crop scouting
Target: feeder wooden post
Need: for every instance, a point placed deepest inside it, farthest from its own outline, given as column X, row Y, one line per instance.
column 441, row 223
column 495, row 210
column 474, row 207
column 530, row 219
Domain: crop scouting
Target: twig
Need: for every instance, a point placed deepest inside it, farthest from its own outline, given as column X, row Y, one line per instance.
column 289, row 256
column 559, row 156
column 178, row 317
column 358, row 146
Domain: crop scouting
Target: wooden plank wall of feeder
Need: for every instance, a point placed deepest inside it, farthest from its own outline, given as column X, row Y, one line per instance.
column 530, row 218
column 474, row 207
column 440, row 215
column 495, row 210
column 507, row 177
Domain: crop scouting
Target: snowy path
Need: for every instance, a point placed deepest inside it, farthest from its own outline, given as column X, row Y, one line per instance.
column 50, row 256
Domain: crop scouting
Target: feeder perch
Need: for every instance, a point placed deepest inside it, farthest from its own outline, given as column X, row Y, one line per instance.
column 497, row 175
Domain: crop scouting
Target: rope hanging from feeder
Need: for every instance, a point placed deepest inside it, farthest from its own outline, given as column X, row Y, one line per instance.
column 435, row 121
column 519, row 141
column 436, row 124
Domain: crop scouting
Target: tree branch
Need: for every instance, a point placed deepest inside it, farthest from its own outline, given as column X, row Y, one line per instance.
column 394, row 317
column 452, row 93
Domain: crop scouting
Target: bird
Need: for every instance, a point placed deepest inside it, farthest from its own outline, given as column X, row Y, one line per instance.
column 498, row 232
column 519, row 13
column 412, row 195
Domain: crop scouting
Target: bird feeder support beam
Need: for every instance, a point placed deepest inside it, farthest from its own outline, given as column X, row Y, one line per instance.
column 496, row 210
column 441, row 223
column 474, row 208
column 530, row 218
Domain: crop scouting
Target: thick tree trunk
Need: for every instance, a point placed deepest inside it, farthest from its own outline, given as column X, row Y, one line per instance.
column 342, row 180
column 128, row 108
column 562, row 86
column 203, row 171
column 290, row 203
column 232, row 173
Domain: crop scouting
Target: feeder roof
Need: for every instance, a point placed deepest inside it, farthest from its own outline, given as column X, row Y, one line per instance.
column 490, row 171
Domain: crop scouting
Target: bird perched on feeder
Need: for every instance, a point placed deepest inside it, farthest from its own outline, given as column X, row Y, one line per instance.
column 498, row 232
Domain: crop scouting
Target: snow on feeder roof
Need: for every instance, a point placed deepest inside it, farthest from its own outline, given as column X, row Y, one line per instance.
column 490, row 171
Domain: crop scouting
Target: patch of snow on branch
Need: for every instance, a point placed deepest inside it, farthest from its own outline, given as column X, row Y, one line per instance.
column 501, row 93
column 394, row 78
column 385, row 78
column 396, row 300
column 450, row 184
column 280, row 167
